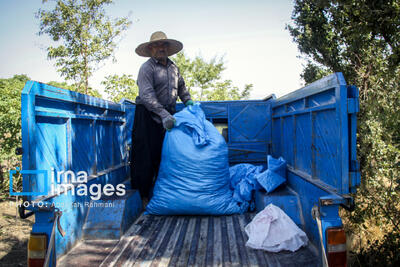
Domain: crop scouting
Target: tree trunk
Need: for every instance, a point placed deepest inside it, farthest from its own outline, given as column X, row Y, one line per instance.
column 1, row 175
column 201, row 93
column 86, row 70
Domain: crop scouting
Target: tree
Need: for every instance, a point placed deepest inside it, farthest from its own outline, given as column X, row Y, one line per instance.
column 226, row 91
column 87, row 35
column 362, row 40
column 10, row 112
column 347, row 35
column 10, row 124
column 118, row 87
column 65, row 85
column 203, row 79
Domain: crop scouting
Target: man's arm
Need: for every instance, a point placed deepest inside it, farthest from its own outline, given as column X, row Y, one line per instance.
column 183, row 92
column 147, row 94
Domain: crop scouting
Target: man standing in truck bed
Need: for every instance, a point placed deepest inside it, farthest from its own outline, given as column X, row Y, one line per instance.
column 160, row 84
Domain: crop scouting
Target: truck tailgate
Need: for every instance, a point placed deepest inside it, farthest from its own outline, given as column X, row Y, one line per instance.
column 183, row 241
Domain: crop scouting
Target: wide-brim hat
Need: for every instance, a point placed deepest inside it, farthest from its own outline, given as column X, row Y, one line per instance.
column 174, row 46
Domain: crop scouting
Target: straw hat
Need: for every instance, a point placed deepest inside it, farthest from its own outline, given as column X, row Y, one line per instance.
column 174, row 46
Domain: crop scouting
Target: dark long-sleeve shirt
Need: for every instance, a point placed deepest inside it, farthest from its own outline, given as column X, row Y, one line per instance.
column 159, row 88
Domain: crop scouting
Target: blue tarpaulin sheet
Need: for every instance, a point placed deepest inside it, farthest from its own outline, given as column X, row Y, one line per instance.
column 246, row 178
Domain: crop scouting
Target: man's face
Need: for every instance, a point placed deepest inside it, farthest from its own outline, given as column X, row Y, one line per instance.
column 158, row 50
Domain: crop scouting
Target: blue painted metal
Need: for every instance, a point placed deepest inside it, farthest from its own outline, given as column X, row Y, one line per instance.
column 110, row 217
column 43, row 225
column 249, row 127
column 64, row 130
column 353, row 107
column 61, row 129
column 284, row 198
column 314, row 129
column 310, row 195
column 129, row 118
column 311, row 131
column 249, row 122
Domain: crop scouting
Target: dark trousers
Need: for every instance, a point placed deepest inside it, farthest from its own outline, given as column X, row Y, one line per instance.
column 147, row 139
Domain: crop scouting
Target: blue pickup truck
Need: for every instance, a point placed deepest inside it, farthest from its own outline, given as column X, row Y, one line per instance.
column 75, row 167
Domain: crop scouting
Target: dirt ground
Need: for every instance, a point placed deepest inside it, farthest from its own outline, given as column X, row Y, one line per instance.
column 14, row 234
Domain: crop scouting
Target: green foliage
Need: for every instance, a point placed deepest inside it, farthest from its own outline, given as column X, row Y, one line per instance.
column 313, row 72
column 373, row 256
column 226, row 91
column 203, row 79
column 90, row 91
column 86, row 34
column 118, row 87
column 10, row 125
column 63, row 85
column 345, row 35
column 362, row 40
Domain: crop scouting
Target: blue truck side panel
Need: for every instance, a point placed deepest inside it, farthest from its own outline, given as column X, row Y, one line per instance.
column 130, row 108
column 314, row 129
column 353, row 109
column 61, row 130
column 249, row 127
column 310, row 196
column 311, row 131
column 64, row 130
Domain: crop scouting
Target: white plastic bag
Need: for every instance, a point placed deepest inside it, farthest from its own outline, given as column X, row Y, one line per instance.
column 272, row 230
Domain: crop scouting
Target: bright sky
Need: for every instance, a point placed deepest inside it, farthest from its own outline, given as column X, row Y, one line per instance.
column 250, row 34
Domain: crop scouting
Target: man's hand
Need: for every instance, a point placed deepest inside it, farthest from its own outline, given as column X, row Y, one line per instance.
column 168, row 122
column 189, row 102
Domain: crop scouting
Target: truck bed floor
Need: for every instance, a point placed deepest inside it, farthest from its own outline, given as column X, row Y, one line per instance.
column 183, row 241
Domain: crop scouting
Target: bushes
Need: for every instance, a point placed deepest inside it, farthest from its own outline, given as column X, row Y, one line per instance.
column 378, row 198
column 361, row 39
column 10, row 127
column 380, row 252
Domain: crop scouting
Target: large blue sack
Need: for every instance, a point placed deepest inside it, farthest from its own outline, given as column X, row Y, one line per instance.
column 194, row 172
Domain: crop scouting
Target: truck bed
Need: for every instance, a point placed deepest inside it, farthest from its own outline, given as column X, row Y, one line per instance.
column 183, row 241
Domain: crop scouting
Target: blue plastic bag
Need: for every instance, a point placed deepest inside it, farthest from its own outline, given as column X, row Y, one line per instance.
column 194, row 172
column 238, row 171
column 246, row 178
column 243, row 181
column 274, row 176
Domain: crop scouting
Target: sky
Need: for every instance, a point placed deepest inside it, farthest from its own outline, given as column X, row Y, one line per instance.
column 250, row 35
